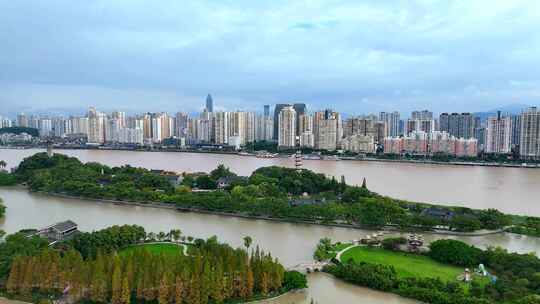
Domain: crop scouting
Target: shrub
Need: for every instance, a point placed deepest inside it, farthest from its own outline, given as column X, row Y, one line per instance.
column 294, row 280
column 393, row 243
column 455, row 253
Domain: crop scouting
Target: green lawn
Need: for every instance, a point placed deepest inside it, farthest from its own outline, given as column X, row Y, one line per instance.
column 406, row 264
column 167, row 248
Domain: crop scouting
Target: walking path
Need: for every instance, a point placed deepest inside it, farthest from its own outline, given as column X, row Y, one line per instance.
column 338, row 255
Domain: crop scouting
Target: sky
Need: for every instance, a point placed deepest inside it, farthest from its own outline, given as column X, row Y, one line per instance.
column 352, row 56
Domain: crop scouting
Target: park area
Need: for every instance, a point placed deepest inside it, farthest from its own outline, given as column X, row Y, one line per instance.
column 155, row 248
column 407, row 265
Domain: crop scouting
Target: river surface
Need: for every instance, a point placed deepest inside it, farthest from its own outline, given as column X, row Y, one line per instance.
column 291, row 243
column 511, row 190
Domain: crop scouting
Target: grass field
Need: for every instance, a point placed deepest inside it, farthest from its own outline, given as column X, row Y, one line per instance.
column 166, row 248
column 406, row 264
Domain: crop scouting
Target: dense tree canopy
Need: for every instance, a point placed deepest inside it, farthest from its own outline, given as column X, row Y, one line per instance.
column 96, row 269
column 275, row 192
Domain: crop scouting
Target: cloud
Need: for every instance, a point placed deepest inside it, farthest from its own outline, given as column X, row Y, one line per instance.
column 170, row 54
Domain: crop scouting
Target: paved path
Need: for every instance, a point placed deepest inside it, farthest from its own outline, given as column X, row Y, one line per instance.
column 338, row 255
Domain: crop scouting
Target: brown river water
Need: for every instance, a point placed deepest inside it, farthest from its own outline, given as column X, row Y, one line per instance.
column 477, row 187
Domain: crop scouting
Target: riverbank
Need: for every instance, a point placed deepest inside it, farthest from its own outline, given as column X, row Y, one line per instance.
column 265, row 218
column 523, row 165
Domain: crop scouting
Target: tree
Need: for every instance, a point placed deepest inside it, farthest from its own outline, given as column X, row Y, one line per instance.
column 455, row 253
column 247, row 242
column 163, row 292
column 206, row 182
column 179, row 290
column 126, row 291
column 3, row 164
column 293, row 280
column 117, row 292
column 175, row 234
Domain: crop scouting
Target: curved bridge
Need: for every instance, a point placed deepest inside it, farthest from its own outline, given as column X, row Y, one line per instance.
column 309, row 267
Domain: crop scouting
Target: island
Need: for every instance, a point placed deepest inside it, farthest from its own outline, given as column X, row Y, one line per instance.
column 271, row 193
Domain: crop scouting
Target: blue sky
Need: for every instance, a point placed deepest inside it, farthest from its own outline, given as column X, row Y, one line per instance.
column 355, row 56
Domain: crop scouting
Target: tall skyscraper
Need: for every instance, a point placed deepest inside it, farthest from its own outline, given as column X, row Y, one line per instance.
column 287, row 127
column 209, row 104
column 498, row 134
column 529, row 144
column 266, row 110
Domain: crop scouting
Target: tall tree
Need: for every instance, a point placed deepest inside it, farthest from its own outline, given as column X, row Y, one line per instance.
column 248, row 241
column 117, row 284
column 126, row 291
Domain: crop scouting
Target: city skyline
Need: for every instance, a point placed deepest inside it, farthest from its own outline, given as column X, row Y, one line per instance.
column 355, row 57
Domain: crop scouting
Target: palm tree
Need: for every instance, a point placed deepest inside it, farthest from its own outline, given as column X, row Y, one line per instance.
column 247, row 242
column 161, row 236
column 175, row 234
column 3, row 164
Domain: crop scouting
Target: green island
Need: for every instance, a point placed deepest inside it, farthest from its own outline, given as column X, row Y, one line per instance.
column 124, row 264
column 445, row 272
column 269, row 193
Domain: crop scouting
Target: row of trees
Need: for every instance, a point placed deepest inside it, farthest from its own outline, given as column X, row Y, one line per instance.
column 267, row 192
column 93, row 267
column 215, row 274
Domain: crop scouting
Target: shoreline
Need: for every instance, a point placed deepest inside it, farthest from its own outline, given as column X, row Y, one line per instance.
column 523, row 165
column 253, row 217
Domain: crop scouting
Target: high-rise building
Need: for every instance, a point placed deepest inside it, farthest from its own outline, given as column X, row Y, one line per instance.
column 358, row 143
column 22, row 120
column 181, row 124
column 300, row 109
column 422, row 115
column 460, row 125
column 209, row 103
column 516, row 130
column 277, row 111
column 264, row 128
column 498, row 134
column 266, row 110
column 392, row 122
column 327, row 129
column 96, row 126
column 529, row 144
column 287, row 127
column 45, row 127
column 424, row 125
column 221, row 127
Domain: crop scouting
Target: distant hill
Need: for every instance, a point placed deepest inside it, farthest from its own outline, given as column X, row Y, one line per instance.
column 512, row 109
